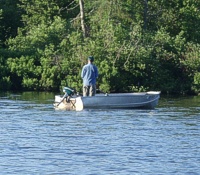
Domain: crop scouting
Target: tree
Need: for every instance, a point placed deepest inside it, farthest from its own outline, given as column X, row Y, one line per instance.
column 140, row 44
column 37, row 47
column 82, row 15
column 10, row 20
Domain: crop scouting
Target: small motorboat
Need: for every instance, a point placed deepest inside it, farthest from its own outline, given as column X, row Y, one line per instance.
column 139, row 100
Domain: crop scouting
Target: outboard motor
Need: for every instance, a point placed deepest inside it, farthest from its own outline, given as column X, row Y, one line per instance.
column 68, row 91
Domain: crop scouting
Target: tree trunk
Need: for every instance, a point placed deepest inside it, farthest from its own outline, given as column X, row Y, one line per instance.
column 81, row 3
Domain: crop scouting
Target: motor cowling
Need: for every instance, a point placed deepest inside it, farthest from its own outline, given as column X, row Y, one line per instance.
column 68, row 91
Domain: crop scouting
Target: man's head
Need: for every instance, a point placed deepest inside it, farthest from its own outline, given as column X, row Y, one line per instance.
column 91, row 58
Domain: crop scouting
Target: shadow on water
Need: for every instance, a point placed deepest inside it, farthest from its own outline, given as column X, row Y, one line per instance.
column 179, row 101
column 37, row 97
column 26, row 100
column 190, row 103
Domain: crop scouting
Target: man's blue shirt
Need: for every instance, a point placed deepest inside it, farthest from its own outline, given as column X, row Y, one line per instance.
column 89, row 74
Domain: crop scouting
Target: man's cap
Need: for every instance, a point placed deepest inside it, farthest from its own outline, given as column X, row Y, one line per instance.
column 91, row 58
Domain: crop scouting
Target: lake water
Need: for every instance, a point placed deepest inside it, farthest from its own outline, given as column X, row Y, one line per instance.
column 37, row 140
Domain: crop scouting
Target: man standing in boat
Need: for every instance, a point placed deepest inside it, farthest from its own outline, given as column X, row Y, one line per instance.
column 89, row 74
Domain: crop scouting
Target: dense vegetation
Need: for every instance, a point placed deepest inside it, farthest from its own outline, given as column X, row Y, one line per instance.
column 137, row 44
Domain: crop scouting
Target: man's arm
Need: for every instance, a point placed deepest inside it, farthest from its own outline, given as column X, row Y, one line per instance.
column 83, row 73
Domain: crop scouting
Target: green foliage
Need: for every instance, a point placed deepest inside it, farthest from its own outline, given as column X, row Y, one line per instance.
column 196, row 84
column 137, row 45
column 5, row 83
column 38, row 12
column 165, row 68
column 10, row 19
column 191, row 61
column 41, row 65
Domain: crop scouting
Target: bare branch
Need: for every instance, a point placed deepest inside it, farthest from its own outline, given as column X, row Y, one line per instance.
column 77, row 17
column 67, row 7
column 82, row 17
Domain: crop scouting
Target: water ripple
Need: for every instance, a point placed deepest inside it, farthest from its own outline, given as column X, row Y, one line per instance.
column 36, row 139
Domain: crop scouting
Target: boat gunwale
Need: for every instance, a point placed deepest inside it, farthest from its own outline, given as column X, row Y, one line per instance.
column 154, row 93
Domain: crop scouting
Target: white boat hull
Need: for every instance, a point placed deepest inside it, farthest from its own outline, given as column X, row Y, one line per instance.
column 146, row 100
